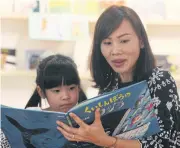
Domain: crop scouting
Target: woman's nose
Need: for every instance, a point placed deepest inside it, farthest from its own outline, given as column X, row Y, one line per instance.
column 116, row 49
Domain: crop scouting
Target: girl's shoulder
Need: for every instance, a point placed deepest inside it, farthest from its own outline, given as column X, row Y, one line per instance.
column 34, row 108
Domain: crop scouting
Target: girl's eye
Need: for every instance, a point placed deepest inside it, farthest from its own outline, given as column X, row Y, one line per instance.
column 72, row 87
column 56, row 91
column 107, row 43
column 124, row 41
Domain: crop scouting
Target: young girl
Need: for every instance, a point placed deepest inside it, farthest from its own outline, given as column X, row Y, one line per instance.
column 58, row 82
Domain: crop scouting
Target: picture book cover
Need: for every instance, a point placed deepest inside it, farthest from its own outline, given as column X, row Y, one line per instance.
column 127, row 113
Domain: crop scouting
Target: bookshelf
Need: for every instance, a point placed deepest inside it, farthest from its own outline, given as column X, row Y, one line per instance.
column 163, row 23
column 19, row 16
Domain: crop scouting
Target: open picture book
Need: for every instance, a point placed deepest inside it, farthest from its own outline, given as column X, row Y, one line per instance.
column 127, row 113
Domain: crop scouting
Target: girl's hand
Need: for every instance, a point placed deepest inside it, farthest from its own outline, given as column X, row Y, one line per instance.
column 93, row 133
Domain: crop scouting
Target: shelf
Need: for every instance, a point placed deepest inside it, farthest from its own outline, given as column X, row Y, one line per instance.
column 13, row 73
column 14, row 16
column 164, row 23
column 32, row 73
column 20, row 16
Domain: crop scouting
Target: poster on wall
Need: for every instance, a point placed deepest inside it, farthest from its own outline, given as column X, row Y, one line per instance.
column 79, row 28
column 57, row 27
column 26, row 6
column 152, row 10
column 59, row 6
column 8, row 59
column 103, row 4
column 49, row 27
column 85, row 7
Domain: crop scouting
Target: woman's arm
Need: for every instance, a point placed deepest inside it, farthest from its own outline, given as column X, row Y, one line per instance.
column 112, row 142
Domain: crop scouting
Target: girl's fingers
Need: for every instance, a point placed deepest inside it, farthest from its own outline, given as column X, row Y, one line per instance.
column 78, row 120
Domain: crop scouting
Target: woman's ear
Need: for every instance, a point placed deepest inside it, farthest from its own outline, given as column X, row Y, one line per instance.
column 40, row 92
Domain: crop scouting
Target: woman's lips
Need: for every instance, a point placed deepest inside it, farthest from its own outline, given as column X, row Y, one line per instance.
column 118, row 63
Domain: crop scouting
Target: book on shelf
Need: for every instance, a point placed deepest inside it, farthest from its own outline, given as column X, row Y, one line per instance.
column 8, row 59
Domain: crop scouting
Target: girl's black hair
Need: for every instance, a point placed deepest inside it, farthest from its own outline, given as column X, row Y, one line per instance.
column 107, row 23
column 52, row 72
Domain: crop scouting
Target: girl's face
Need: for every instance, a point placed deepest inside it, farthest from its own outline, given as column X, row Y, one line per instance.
column 122, row 48
column 62, row 98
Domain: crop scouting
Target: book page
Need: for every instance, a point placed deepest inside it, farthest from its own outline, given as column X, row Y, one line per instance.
column 31, row 128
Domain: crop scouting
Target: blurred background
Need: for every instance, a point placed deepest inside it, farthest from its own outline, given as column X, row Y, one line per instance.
column 33, row 29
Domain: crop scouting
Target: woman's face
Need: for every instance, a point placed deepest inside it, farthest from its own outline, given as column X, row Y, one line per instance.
column 122, row 48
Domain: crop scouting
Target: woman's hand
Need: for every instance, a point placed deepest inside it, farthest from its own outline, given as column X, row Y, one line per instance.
column 93, row 133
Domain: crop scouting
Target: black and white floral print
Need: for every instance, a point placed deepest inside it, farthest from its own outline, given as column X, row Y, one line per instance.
column 167, row 105
column 4, row 141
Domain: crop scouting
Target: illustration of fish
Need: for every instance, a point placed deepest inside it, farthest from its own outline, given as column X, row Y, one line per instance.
column 136, row 119
column 149, row 107
column 118, row 128
column 26, row 133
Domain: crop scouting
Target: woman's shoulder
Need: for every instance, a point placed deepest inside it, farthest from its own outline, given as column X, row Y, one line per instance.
column 158, row 75
column 161, row 81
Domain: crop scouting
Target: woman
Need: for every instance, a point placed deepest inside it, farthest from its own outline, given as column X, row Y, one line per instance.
column 121, row 56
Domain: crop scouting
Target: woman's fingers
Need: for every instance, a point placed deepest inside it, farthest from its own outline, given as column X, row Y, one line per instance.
column 78, row 120
column 67, row 128
column 97, row 116
column 67, row 135
column 70, row 137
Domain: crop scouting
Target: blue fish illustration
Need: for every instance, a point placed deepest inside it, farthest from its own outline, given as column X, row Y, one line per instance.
column 26, row 133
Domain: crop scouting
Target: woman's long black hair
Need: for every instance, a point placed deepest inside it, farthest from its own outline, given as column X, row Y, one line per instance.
column 51, row 72
column 107, row 23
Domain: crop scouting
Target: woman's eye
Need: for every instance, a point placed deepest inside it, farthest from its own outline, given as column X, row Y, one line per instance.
column 124, row 41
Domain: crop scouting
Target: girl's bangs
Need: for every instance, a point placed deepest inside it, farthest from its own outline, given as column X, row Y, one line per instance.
column 56, row 75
